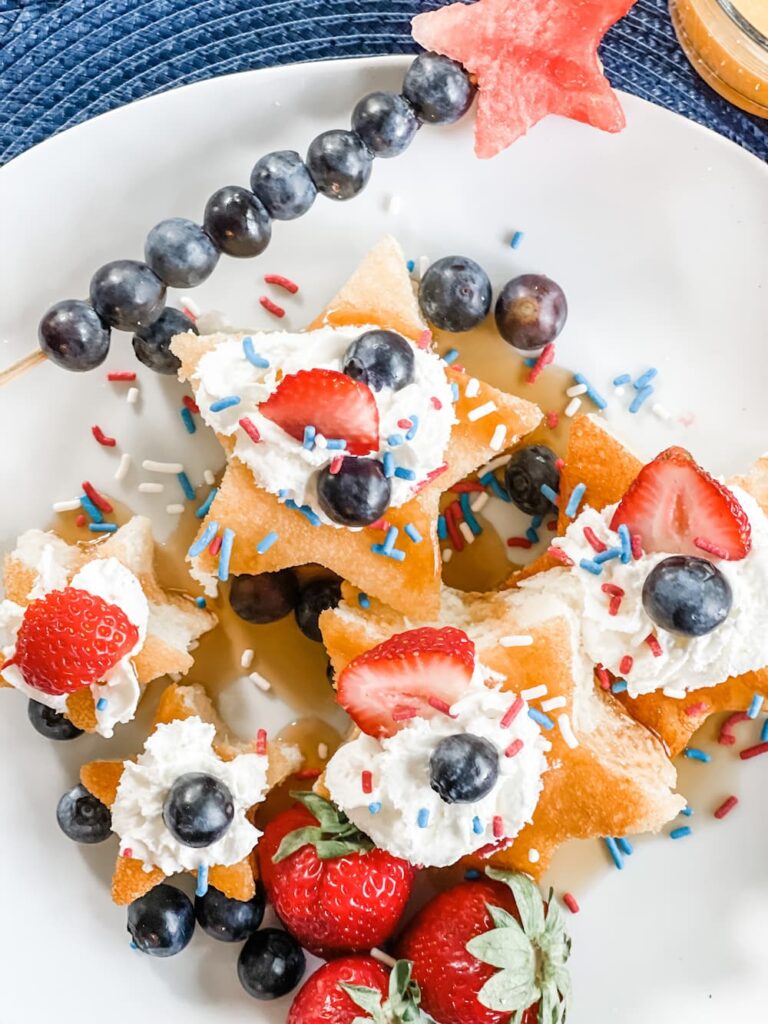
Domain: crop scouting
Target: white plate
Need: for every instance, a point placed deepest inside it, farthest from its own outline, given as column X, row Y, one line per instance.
column 658, row 237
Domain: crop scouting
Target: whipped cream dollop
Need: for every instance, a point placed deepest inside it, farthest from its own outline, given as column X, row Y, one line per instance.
column 117, row 695
column 404, row 815
column 281, row 464
column 171, row 751
column 737, row 646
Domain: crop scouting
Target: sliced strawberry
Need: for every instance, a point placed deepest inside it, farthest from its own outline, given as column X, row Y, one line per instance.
column 331, row 402
column 421, row 672
column 676, row 507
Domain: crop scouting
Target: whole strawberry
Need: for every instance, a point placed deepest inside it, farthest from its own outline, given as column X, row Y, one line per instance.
column 355, row 989
column 490, row 952
column 330, row 886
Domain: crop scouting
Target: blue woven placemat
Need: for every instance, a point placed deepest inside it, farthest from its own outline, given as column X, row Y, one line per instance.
column 64, row 61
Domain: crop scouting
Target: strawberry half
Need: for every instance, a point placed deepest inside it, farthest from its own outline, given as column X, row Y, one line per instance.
column 676, row 507
column 70, row 639
column 418, row 673
column 331, row 402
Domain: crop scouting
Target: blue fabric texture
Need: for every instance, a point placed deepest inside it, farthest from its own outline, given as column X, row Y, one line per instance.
column 64, row 61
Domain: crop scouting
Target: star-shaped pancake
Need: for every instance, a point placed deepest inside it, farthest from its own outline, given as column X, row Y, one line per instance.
column 175, row 621
column 607, row 775
column 598, row 459
column 530, row 60
column 379, row 292
column 131, row 878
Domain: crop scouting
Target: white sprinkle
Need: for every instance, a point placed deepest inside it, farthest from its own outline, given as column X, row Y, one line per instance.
column 261, row 682
column 566, row 731
column 132, row 396
column 472, row 388
column 480, row 502
column 150, row 488
column 175, row 677
column 499, row 437
column 494, row 464
column 447, row 554
column 553, row 704
column 619, row 391
column 516, row 641
column 534, row 693
column 66, row 506
column 661, row 411
column 209, row 477
column 576, row 390
column 173, row 468
column 320, row 441
column 670, row 691
column 423, row 265
column 469, row 537
column 125, row 464
column 191, row 305
column 382, row 957
column 573, row 407
column 481, row 410
column 322, row 751
column 246, row 658
column 393, row 204
column 534, row 856
column 174, row 510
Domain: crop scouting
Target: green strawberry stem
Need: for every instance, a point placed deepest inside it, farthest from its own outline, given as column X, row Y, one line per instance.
column 333, row 836
column 401, row 1005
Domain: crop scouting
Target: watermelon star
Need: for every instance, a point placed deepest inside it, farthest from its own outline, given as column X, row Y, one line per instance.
column 531, row 58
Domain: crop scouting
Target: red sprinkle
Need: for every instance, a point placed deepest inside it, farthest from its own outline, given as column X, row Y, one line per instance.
column 514, row 748
column 593, row 540
column 404, row 424
column 655, row 646
column 552, row 524
column 436, row 403
column 697, row 709
column 615, row 605
column 215, row 546
column 712, row 549
column 272, row 307
column 282, row 282
column 559, row 464
column 602, row 677
column 366, row 781
column 190, row 403
column 308, row 773
column 726, row 806
column 440, row 705
column 430, row 477
column 519, row 542
column 467, row 486
column 425, row 339
column 451, row 525
column 250, row 428
column 626, row 663
column 401, row 714
column 380, row 524
column 570, row 901
column 188, row 313
column 612, row 589
column 336, row 464
column 98, row 500
column 547, row 356
column 552, row 418
column 759, row 748
column 81, row 520
column 498, row 827
column 512, row 713
column 101, row 437
column 121, row 375
column 560, row 555
column 128, row 852
column 261, row 741
column 726, row 736
column 637, row 546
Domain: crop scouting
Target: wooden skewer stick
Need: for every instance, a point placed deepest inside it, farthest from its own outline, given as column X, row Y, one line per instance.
column 22, row 366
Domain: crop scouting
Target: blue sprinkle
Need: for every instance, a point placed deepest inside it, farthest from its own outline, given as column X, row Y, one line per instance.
column 687, row 811
column 389, row 464
column 530, row 362
column 645, row 379
column 455, row 391
column 202, row 880
column 442, row 529
column 411, row 266
column 591, row 566
column 225, row 553
column 471, row 875
column 574, row 501
column 680, row 833
column 413, row 427
column 335, row 444
column 640, row 398
column 613, row 849
column 305, row 510
column 283, row 492
column 756, row 706
column 423, row 818
column 200, row 602
column 93, row 513
column 624, row 845
column 252, row 355
column 469, row 517
column 266, row 542
column 549, row 494
column 101, row 703
column 536, row 522
column 405, row 474
column 619, row 686
column 516, row 240
column 186, row 486
column 394, row 440
column 451, row 356
column 363, row 600
column 540, row 718
column 593, row 395
column 309, row 437
column 489, row 480
column 413, row 533
column 694, row 754
column 477, row 826
column 204, row 539
column 102, row 527
column 187, row 419
column 532, row 535
column 764, row 733
column 133, row 946
column 375, row 807
column 626, row 544
column 606, row 556
column 378, row 549
column 389, row 540
column 202, row 512
column 621, row 380
column 224, row 403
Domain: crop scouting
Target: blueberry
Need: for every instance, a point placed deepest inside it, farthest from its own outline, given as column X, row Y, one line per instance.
column 198, row 809
column 385, row 122
column 455, row 294
column 51, row 724
column 357, row 495
column 315, row 597
column 82, row 817
column 380, row 359
column 127, row 294
column 283, row 184
column 237, row 222
column 229, row 920
column 530, row 311
column 463, row 768
column 264, row 598
column 162, row 922
column 73, row 335
column 687, row 595
column 438, row 88
column 528, row 470
column 180, row 252
column 152, row 344
column 270, row 964
column 340, row 164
